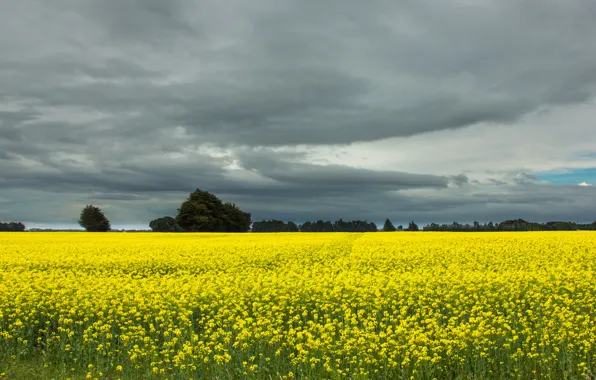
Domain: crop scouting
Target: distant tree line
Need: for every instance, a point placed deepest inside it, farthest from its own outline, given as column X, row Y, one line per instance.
column 363, row 226
column 326, row 226
column 12, row 226
column 318, row 226
column 338, row 226
column 510, row 225
column 274, row 226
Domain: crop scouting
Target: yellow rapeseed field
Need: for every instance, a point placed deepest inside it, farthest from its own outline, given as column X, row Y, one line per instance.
column 270, row 306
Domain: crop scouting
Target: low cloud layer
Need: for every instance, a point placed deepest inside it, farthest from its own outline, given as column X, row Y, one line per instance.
column 297, row 109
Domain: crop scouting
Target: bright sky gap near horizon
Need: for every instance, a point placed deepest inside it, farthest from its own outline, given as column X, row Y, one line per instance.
column 298, row 110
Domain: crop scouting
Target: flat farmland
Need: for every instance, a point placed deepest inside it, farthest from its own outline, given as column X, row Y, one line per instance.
column 398, row 305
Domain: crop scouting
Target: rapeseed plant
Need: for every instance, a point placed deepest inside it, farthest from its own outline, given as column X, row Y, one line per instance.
column 377, row 305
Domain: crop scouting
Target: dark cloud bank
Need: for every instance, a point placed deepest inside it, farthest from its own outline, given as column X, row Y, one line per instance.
column 133, row 104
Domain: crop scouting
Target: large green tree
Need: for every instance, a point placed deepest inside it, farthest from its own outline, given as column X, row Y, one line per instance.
column 204, row 212
column 93, row 219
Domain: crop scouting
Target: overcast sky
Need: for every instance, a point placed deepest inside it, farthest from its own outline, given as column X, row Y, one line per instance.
column 431, row 111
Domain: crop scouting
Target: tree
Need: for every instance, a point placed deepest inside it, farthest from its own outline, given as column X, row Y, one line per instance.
column 93, row 219
column 412, row 226
column 235, row 219
column 274, row 226
column 12, row 226
column 388, row 226
column 338, row 226
column 431, row 227
column 204, row 212
column 165, row 224
column 292, row 227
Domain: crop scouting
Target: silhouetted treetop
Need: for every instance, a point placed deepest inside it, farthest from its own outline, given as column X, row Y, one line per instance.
column 204, row 212
column 12, row 227
column 93, row 219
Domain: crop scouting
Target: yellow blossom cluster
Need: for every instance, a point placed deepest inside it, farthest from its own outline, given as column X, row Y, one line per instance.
column 303, row 305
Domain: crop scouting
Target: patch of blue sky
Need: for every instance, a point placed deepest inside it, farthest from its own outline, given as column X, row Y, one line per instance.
column 569, row 176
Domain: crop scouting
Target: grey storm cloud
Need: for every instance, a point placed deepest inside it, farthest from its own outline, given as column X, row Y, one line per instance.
column 114, row 101
column 116, row 196
column 301, row 174
column 525, row 178
column 459, row 179
column 290, row 72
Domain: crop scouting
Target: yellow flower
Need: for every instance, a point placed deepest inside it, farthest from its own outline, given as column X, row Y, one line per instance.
column 374, row 305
